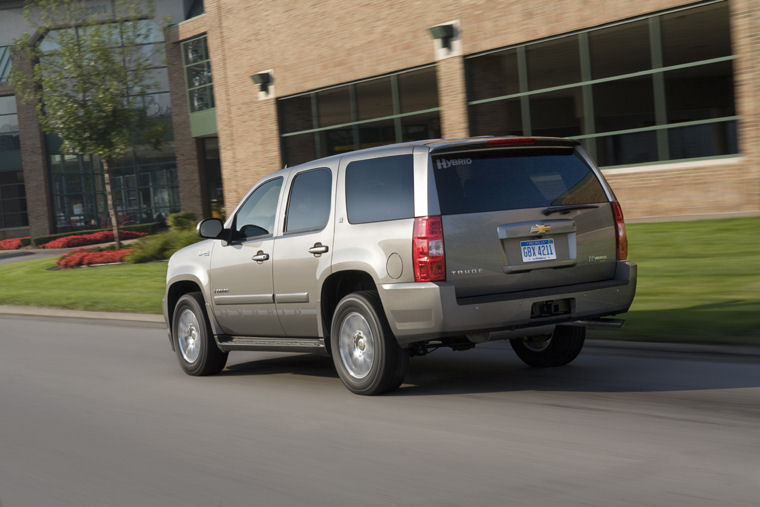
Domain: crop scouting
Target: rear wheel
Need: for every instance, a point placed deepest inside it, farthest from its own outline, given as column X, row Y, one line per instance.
column 365, row 352
column 556, row 349
column 193, row 339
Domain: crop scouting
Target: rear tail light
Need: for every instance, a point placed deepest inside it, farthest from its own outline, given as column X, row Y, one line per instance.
column 620, row 235
column 427, row 250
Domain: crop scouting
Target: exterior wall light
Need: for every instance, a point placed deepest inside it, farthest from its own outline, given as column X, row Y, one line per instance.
column 446, row 39
column 265, row 80
column 445, row 33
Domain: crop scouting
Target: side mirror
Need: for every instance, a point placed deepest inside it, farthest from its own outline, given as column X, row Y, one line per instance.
column 210, row 228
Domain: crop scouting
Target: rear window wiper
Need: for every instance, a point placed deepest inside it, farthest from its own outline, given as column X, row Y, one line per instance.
column 567, row 208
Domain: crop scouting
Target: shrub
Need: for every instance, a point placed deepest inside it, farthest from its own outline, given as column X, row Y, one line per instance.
column 90, row 256
column 149, row 228
column 14, row 243
column 90, row 239
column 162, row 245
column 182, row 220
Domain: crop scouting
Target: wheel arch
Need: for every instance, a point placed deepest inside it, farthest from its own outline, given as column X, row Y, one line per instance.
column 175, row 291
column 336, row 287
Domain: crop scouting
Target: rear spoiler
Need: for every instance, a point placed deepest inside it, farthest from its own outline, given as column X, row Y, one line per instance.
column 481, row 143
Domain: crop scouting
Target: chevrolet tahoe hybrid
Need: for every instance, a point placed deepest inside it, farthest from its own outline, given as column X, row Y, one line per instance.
column 377, row 255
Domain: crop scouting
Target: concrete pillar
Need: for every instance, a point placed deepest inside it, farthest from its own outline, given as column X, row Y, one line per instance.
column 452, row 97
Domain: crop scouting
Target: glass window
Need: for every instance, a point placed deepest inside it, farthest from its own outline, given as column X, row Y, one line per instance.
column 374, row 99
column 201, row 98
column 698, row 93
column 8, row 106
column 514, row 179
column 558, row 113
column 708, row 140
column 421, row 126
column 605, row 47
column 624, row 104
column 198, row 77
column 380, row 189
column 696, row 34
column 256, row 216
column 493, row 75
column 376, row 133
column 309, row 203
column 334, row 106
column 503, row 117
column 195, row 50
column 295, row 114
column 350, row 115
column 418, row 90
column 553, row 63
column 335, row 141
column 622, row 149
column 298, row 149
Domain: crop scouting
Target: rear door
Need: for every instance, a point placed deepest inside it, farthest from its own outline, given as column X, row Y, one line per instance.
column 303, row 252
column 521, row 218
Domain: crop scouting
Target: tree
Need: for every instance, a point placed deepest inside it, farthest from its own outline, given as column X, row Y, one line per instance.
column 88, row 77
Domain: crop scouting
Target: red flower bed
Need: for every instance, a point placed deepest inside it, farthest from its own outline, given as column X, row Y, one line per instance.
column 88, row 257
column 11, row 243
column 90, row 239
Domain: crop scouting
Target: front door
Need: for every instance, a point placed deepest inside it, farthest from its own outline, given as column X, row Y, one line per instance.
column 241, row 270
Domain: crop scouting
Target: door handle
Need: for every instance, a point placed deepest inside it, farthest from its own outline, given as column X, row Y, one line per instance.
column 260, row 257
column 318, row 249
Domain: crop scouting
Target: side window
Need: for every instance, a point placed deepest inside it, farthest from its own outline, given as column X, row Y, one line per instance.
column 256, row 216
column 380, row 189
column 309, row 203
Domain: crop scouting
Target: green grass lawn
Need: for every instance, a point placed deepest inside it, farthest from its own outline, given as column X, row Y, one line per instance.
column 120, row 288
column 698, row 282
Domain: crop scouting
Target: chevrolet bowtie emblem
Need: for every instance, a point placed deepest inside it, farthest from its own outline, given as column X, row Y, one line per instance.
column 540, row 229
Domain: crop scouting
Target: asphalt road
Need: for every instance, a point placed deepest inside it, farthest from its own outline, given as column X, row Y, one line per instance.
column 100, row 414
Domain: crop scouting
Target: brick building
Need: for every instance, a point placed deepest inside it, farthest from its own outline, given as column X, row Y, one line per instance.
column 662, row 93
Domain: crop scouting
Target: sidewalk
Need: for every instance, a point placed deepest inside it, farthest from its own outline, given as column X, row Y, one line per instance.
column 158, row 321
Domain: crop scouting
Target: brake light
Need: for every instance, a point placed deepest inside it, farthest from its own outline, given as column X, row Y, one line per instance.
column 512, row 140
column 620, row 235
column 427, row 250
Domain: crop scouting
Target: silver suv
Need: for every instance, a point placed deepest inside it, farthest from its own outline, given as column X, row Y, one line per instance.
column 377, row 255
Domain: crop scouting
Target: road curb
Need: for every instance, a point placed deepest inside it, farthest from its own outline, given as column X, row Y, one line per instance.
column 643, row 346
column 34, row 311
column 677, row 348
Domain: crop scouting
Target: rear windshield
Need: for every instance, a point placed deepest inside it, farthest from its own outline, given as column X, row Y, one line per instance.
column 478, row 182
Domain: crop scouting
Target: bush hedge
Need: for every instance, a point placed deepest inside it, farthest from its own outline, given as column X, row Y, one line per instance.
column 91, row 239
column 90, row 256
column 14, row 243
column 149, row 228
column 161, row 246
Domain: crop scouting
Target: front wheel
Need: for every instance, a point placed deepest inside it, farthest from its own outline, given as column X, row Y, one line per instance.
column 365, row 352
column 193, row 339
column 556, row 349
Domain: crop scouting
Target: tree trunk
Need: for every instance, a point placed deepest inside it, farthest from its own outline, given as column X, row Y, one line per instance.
column 109, row 202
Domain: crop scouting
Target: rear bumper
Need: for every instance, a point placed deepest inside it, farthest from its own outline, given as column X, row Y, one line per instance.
column 424, row 311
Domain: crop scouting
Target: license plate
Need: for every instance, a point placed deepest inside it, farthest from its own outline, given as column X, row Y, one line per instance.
column 538, row 250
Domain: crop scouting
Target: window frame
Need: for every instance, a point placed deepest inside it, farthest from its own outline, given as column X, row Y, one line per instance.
column 286, row 214
column 236, row 234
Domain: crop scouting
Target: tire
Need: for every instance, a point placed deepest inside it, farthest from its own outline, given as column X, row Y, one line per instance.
column 193, row 340
column 557, row 349
column 367, row 357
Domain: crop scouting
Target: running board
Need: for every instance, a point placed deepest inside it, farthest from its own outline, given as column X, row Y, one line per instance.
column 605, row 323
column 227, row 343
